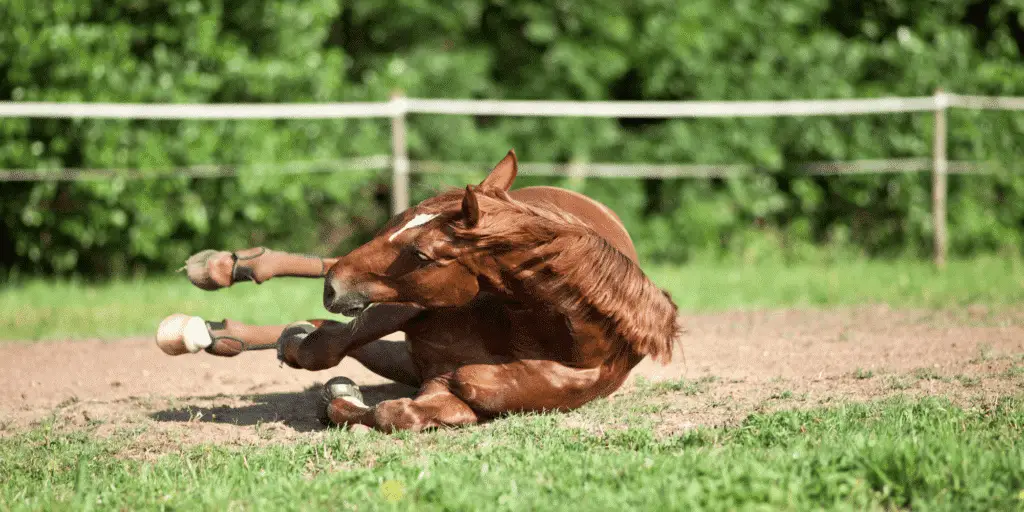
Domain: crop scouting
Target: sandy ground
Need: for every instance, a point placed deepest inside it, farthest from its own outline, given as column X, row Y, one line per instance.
column 745, row 361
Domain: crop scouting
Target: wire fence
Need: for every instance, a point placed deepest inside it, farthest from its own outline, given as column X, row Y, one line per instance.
column 547, row 169
column 399, row 107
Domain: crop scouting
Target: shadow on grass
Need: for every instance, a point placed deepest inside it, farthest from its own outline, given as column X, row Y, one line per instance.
column 300, row 410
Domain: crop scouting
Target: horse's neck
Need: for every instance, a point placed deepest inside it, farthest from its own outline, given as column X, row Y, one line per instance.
column 547, row 258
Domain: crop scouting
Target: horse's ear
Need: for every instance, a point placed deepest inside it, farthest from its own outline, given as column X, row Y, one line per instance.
column 470, row 207
column 504, row 173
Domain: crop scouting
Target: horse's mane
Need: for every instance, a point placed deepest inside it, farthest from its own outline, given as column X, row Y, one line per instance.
column 576, row 269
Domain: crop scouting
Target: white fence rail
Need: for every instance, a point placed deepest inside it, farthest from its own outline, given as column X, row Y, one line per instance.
column 399, row 107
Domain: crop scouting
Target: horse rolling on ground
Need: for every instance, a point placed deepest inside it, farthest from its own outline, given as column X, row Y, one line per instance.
column 523, row 300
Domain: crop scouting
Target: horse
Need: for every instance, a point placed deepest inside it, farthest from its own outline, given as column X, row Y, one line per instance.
column 522, row 300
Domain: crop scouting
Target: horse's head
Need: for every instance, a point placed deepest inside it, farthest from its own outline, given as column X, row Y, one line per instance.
column 416, row 258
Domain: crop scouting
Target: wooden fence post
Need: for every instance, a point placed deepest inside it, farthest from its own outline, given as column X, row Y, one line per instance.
column 940, row 168
column 399, row 156
column 577, row 171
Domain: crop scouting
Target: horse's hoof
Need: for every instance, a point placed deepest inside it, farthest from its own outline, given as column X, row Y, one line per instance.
column 181, row 334
column 340, row 393
column 298, row 330
column 210, row 270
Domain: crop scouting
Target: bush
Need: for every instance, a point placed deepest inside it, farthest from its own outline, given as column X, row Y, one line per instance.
column 316, row 50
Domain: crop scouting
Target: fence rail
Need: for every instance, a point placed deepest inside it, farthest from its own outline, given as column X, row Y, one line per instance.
column 399, row 107
column 588, row 169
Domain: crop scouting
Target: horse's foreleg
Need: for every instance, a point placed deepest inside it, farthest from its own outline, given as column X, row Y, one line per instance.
column 182, row 334
column 389, row 359
column 331, row 341
column 212, row 270
column 435, row 406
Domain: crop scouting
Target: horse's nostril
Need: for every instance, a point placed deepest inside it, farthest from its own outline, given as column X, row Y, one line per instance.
column 329, row 294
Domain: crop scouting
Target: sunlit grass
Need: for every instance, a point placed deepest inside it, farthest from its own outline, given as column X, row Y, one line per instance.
column 40, row 309
column 887, row 455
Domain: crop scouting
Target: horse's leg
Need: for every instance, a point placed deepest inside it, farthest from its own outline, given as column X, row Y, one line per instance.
column 434, row 406
column 476, row 392
column 179, row 334
column 331, row 341
column 389, row 359
column 212, row 270
column 532, row 386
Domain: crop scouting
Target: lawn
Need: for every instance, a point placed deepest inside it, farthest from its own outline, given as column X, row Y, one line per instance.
column 895, row 453
column 39, row 309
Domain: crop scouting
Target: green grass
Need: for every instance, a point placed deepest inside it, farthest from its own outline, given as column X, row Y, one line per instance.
column 986, row 280
column 862, row 374
column 897, row 453
column 688, row 387
column 39, row 309
column 60, row 309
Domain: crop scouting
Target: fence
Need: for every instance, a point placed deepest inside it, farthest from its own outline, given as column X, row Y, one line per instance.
column 399, row 107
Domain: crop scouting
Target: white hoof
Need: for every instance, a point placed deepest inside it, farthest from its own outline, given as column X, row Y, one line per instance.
column 180, row 334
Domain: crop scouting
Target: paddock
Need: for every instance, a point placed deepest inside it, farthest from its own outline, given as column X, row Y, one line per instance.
column 731, row 365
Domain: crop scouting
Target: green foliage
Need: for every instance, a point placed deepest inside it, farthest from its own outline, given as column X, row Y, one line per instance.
column 316, row 50
column 177, row 52
column 892, row 454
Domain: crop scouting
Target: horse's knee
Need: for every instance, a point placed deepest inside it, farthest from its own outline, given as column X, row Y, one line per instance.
column 309, row 360
column 306, row 347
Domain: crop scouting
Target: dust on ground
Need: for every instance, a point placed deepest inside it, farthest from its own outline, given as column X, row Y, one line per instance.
column 730, row 365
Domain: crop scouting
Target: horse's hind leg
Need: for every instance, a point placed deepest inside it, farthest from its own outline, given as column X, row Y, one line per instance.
column 434, row 406
column 212, row 270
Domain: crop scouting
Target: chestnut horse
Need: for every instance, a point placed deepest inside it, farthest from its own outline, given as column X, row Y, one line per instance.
column 523, row 300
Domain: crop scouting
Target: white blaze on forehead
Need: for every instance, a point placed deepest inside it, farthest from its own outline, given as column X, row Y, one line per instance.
column 417, row 221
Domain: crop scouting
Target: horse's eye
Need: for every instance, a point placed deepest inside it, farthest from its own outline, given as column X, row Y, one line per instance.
column 422, row 256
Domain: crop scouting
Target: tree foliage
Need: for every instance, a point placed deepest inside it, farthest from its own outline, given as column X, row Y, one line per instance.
column 319, row 50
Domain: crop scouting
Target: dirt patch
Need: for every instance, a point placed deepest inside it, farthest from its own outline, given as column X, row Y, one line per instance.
column 732, row 364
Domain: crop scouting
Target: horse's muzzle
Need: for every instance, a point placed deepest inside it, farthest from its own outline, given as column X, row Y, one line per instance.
column 337, row 299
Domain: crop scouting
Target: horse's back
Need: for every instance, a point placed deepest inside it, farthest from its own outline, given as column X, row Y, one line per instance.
column 597, row 216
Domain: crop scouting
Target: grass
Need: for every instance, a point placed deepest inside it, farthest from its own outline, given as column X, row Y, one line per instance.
column 40, row 309
column 688, row 387
column 891, row 454
column 60, row 309
column 862, row 374
column 985, row 280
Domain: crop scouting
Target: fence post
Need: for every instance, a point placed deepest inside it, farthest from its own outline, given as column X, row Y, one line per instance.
column 399, row 156
column 577, row 171
column 940, row 168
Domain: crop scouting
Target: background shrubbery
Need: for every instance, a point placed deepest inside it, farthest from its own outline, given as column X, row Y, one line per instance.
column 320, row 50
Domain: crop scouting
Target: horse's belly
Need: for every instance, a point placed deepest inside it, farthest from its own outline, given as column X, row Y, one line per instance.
column 442, row 341
column 488, row 331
